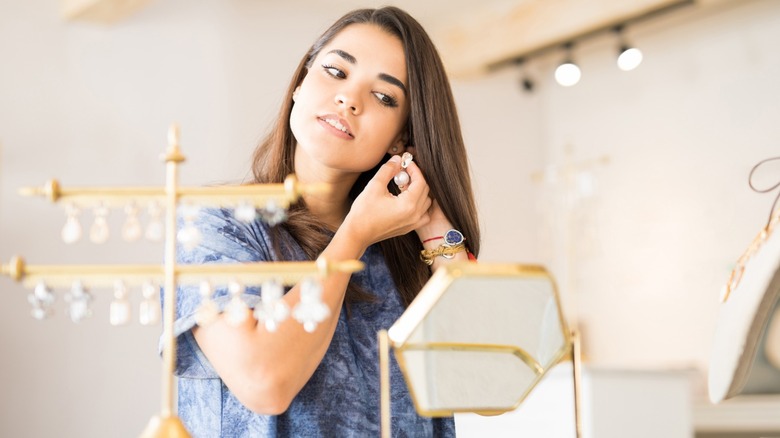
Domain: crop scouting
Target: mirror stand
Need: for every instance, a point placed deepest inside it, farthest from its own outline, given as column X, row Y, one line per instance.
column 384, row 381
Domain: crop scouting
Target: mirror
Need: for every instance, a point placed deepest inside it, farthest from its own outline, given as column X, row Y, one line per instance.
column 479, row 337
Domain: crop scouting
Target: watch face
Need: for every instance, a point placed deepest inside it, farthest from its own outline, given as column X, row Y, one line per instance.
column 453, row 237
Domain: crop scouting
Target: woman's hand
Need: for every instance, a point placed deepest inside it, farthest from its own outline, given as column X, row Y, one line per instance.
column 377, row 214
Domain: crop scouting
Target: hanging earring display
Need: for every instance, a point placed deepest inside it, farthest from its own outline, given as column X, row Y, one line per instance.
column 402, row 178
column 79, row 301
column 71, row 232
column 41, row 299
column 273, row 213
column 155, row 227
column 207, row 310
column 245, row 212
column 131, row 229
column 310, row 311
column 272, row 310
column 119, row 310
column 99, row 232
column 188, row 235
column 149, row 312
column 236, row 310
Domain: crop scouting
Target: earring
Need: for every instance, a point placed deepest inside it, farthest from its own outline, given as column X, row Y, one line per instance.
column 131, row 230
column 149, row 313
column 155, row 228
column 98, row 233
column 119, row 310
column 272, row 213
column 41, row 299
column 208, row 310
column 189, row 236
column 79, row 300
column 245, row 212
column 310, row 311
column 402, row 178
column 395, row 149
column 236, row 310
column 272, row 310
column 71, row 232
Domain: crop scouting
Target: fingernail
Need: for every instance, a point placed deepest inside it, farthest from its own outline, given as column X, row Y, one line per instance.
column 395, row 159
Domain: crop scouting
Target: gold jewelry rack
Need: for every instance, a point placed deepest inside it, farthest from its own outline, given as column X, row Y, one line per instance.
column 167, row 424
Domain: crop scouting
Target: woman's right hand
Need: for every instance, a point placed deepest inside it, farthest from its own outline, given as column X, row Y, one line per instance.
column 377, row 214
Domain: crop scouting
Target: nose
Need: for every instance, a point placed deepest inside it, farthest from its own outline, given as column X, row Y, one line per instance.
column 345, row 100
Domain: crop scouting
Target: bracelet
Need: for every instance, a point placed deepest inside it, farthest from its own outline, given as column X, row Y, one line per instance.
column 453, row 244
column 432, row 238
column 447, row 252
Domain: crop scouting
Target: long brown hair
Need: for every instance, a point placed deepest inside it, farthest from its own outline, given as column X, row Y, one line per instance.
column 434, row 130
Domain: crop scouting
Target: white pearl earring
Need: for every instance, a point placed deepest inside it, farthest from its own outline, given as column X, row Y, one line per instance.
column 402, row 178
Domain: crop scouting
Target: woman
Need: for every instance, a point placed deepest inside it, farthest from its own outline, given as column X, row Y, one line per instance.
column 371, row 88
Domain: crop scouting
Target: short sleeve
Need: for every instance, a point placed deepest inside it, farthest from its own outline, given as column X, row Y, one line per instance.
column 223, row 239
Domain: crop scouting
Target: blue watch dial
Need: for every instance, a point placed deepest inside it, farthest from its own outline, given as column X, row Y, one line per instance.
column 453, row 237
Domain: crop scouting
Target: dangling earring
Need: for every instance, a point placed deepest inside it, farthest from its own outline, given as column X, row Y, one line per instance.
column 71, row 232
column 208, row 310
column 402, row 178
column 310, row 311
column 119, row 309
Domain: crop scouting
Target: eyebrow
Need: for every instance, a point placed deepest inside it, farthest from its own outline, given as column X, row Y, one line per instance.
column 383, row 76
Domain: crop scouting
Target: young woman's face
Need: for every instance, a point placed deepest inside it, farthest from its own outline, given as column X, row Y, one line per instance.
column 352, row 107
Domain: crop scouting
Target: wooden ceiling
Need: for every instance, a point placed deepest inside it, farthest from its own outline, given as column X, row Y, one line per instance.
column 475, row 36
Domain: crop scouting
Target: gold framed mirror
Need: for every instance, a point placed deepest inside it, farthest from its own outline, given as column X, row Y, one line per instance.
column 478, row 338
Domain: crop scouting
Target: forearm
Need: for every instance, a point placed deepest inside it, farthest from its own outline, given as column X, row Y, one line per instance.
column 266, row 370
column 432, row 235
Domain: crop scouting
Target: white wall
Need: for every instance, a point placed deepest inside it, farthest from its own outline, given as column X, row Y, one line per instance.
column 673, row 210
column 90, row 105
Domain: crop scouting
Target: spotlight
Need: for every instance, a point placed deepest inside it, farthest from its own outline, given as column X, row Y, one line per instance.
column 568, row 73
column 525, row 81
column 629, row 57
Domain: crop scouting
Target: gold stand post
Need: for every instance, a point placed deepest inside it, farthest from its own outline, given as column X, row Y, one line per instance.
column 576, row 363
column 167, row 424
column 384, row 383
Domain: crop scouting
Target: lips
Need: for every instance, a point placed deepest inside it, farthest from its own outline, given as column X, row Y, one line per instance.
column 338, row 124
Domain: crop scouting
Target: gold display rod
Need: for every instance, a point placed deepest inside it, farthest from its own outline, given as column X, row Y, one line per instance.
column 384, row 383
column 285, row 193
column 106, row 275
column 167, row 424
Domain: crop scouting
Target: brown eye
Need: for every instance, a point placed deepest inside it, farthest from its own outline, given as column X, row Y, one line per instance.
column 386, row 100
column 333, row 71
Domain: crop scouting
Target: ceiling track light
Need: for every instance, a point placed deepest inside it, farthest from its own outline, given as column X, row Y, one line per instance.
column 526, row 82
column 629, row 57
column 568, row 73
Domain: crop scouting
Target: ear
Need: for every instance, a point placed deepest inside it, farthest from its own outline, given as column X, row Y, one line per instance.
column 295, row 92
column 398, row 146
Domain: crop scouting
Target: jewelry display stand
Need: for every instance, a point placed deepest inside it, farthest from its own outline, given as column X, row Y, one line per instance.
column 269, row 201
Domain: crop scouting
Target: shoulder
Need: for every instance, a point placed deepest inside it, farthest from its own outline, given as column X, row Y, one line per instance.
column 217, row 233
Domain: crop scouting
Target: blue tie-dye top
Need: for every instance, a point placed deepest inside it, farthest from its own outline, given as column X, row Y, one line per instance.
column 342, row 397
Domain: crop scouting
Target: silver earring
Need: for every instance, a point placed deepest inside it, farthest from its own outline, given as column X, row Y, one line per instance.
column 395, row 149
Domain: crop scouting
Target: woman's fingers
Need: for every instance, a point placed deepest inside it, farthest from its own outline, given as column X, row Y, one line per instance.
column 387, row 171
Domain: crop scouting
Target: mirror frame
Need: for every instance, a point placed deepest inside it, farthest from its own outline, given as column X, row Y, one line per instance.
column 431, row 294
